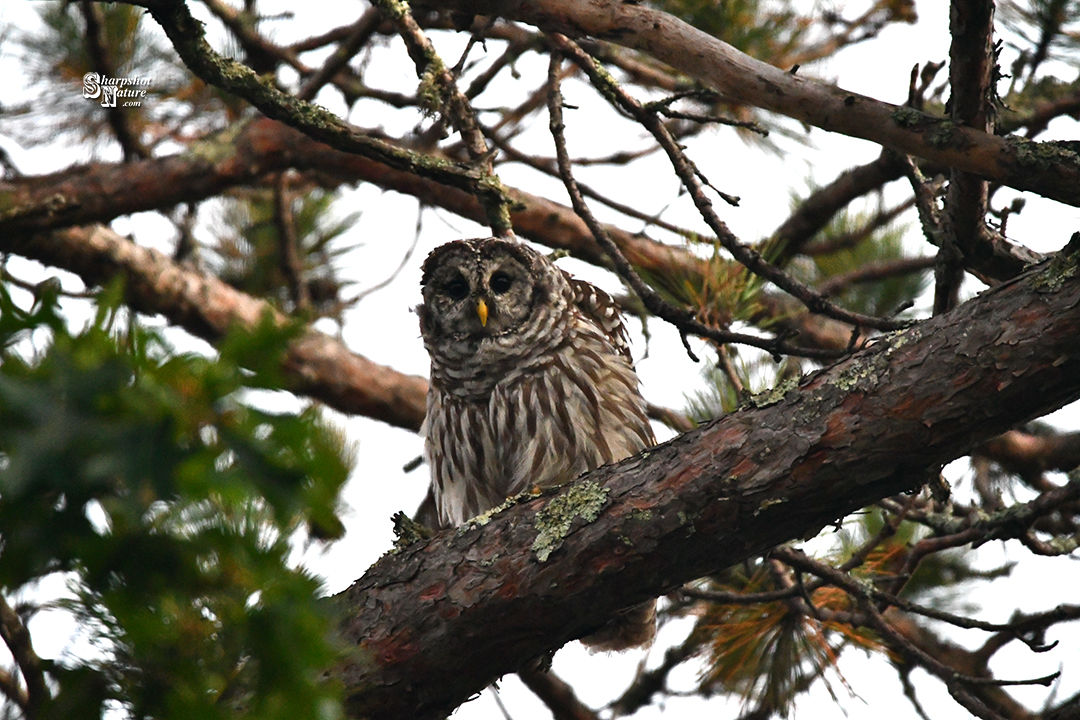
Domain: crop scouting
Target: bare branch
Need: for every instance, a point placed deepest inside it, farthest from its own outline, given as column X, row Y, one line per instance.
column 746, row 256
column 557, row 695
column 872, row 272
column 682, row 318
column 188, row 38
column 971, row 77
column 742, row 79
column 815, row 212
column 289, row 245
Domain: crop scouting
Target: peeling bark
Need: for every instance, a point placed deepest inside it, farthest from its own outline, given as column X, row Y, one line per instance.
column 438, row 620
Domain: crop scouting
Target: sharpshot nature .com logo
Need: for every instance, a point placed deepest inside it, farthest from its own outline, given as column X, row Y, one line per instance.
column 128, row 92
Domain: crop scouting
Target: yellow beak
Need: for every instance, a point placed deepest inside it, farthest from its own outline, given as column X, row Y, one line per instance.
column 482, row 311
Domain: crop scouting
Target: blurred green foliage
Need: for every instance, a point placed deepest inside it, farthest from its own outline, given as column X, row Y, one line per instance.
column 169, row 505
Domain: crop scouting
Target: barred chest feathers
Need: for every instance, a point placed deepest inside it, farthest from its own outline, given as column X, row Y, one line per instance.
column 576, row 411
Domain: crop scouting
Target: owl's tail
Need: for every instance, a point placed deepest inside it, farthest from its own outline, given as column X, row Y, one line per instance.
column 633, row 627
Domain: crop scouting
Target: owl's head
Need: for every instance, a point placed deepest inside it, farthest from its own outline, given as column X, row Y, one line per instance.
column 489, row 299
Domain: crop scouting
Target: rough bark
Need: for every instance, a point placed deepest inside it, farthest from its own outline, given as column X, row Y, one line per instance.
column 439, row 619
column 1051, row 170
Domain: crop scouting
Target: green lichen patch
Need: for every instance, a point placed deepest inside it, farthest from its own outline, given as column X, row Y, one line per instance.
column 772, row 395
column 859, row 370
column 902, row 337
column 408, row 531
column 431, row 90
column 553, row 522
column 1060, row 268
column 1043, row 155
column 908, row 117
column 870, row 368
column 484, row 518
column 943, row 134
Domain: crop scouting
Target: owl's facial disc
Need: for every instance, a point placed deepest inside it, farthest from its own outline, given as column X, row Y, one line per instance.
column 481, row 295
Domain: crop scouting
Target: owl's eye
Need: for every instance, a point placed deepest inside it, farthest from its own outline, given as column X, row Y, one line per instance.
column 500, row 282
column 457, row 288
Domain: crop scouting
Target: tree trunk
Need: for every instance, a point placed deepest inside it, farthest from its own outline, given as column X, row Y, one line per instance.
column 440, row 619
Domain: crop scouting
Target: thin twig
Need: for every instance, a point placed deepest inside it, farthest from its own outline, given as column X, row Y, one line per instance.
column 550, row 167
column 361, row 32
column 954, row 681
column 648, row 683
column 737, row 598
column 680, row 317
column 289, row 261
column 672, row 418
column 728, row 367
column 393, row 276
column 36, row 287
column 686, row 171
column 874, row 271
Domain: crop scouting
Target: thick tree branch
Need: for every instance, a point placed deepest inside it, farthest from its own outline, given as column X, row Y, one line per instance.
column 317, row 365
column 245, row 153
column 1029, row 455
column 1048, row 169
column 440, row 619
column 187, row 36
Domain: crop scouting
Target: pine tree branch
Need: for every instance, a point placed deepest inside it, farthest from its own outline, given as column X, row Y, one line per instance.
column 440, row 619
column 187, row 36
column 1048, row 169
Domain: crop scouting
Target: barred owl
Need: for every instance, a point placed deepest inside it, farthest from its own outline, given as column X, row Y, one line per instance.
column 531, row 385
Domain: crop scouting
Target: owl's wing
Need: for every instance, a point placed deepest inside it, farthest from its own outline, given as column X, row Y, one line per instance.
column 600, row 308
